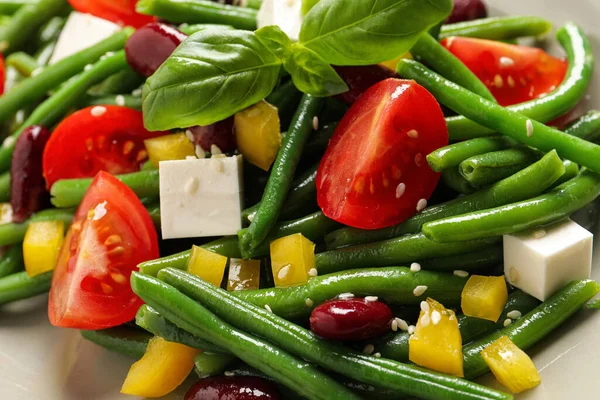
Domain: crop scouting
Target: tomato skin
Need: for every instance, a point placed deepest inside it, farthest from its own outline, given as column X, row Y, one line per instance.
column 118, row 11
column 90, row 286
column 2, row 74
column 100, row 138
column 374, row 173
column 514, row 74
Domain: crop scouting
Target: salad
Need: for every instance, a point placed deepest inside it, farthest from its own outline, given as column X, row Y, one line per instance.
column 320, row 199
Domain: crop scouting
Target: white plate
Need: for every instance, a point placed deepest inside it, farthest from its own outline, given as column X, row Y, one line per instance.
column 41, row 362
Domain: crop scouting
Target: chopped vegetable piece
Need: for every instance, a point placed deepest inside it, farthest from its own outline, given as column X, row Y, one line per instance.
column 41, row 246
column 207, row 265
column 164, row 366
column 484, row 297
column 243, row 274
column 258, row 136
column 169, row 147
column 511, row 366
column 292, row 260
column 437, row 343
column 5, row 213
column 121, row 11
column 234, row 387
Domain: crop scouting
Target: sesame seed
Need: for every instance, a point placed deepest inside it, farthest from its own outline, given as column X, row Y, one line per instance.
column 514, row 314
column 315, row 123
column 88, row 67
column 368, row 349
column 506, row 62
column 191, row 186
column 425, row 306
column 100, row 211
column 419, row 290
column 421, row 205
column 413, row 133
column 283, row 272
column 436, row 317
column 400, row 190
column 402, row 325
column 36, row 71
column 313, row 272
column 190, row 135
column 345, row 296
column 377, row 355
column 255, row 112
column 461, row 273
column 251, row 216
column 529, row 126
column 268, row 308
column 370, row 299
column 217, row 165
column 513, row 275
column 120, row 100
column 411, row 329
column 498, row 81
column 137, row 92
column 511, row 82
column 419, row 159
column 228, row 373
column 415, row 267
column 110, row 53
column 394, row 325
column 507, row 322
column 540, row 233
column 98, row 111
column 425, row 320
column 214, row 149
column 309, row 302
column 8, row 142
column 200, row 153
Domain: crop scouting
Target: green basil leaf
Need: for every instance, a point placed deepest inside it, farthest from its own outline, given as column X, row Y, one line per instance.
column 212, row 75
column 367, row 32
column 275, row 39
column 307, row 5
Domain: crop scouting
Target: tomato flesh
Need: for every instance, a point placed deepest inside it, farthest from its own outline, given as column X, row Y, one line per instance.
column 514, row 74
column 118, row 11
column 100, row 138
column 111, row 234
column 374, row 173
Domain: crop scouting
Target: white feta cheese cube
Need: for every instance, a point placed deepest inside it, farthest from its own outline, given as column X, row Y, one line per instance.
column 287, row 14
column 80, row 32
column 201, row 197
column 543, row 260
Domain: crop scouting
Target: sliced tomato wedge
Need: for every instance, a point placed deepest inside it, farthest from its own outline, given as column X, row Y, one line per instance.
column 111, row 234
column 374, row 173
column 118, row 11
column 514, row 74
column 2, row 74
column 100, row 138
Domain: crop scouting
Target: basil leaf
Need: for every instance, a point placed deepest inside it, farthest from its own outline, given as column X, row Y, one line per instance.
column 307, row 5
column 369, row 31
column 212, row 75
column 275, row 39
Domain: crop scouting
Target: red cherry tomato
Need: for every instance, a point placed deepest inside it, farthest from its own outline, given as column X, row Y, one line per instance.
column 2, row 75
column 111, row 234
column 374, row 173
column 100, row 138
column 359, row 79
column 514, row 74
column 118, row 11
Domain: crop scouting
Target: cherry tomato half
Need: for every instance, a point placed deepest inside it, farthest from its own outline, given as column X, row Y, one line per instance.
column 374, row 173
column 111, row 234
column 100, row 138
column 118, row 11
column 514, row 74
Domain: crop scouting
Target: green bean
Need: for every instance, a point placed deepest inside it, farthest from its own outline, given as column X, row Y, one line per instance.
column 313, row 227
column 594, row 304
column 11, row 233
column 125, row 100
column 534, row 326
column 571, row 171
column 26, row 21
column 69, row 95
column 395, row 346
column 498, row 28
column 586, row 127
column 123, row 81
column 281, row 176
column 69, row 192
column 23, row 63
column 452, row 178
column 319, row 141
column 432, row 53
column 12, row 261
column 552, row 206
column 50, row 31
column 258, row 353
column 154, row 212
column 9, row 7
column 530, row 182
column 452, row 155
column 150, row 320
column 559, row 102
column 199, row 12
column 20, row 286
column 254, row 4
column 485, row 169
column 127, row 341
column 5, row 187
column 286, row 98
column 395, row 285
column 389, row 374
column 473, row 261
column 209, row 364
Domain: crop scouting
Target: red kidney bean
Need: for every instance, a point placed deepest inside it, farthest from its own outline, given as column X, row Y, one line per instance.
column 468, row 10
column 221, row 134
column 150, row 46
column 27, row 185
column 359, row 79
column 351, row 319
column 233, row 388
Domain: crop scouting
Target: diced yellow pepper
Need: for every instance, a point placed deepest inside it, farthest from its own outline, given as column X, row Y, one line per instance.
column 392, row 64
column 41, row 246
column 511, row 366
column 164, row 367
column 169, row 147
column 292, row 258
column 436, row 343
column 5, row 213
column 207, row 265
column 257, row 132
column 484, row 297
column 243, row 275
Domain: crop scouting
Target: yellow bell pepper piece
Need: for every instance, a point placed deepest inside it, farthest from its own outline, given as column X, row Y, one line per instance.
column 484, row 297
column 392, row 64
column 207, row 265
column 436, row 343
column 257, row 132
column 41, row 246
column 243, row 275
column 511, row 366
column 169, row 147
column 5, row 213
column 164, row 367
column 292, row 258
